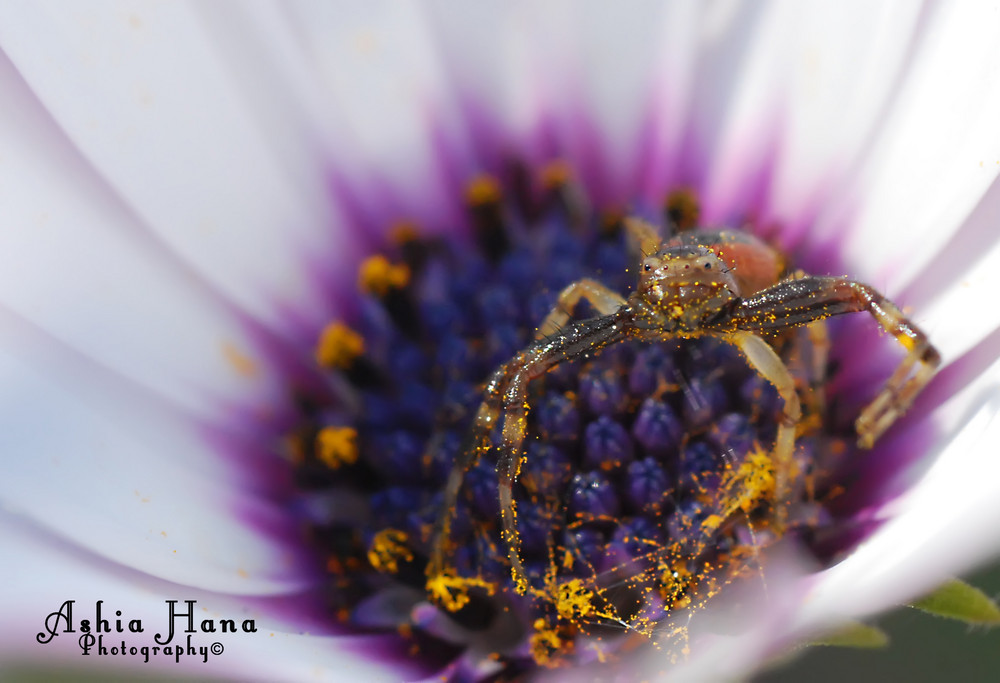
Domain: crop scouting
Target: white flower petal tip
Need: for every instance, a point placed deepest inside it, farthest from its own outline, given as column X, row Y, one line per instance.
column 945, row 524
column 140, row 113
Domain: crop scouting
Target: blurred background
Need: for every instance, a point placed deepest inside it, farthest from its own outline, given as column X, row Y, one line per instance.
column 922, row 649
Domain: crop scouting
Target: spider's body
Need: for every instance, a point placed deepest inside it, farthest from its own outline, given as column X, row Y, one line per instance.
column 692, row 278
column 725, row 284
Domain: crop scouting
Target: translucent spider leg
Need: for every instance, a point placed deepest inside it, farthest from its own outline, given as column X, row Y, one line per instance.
column 506, row 395
column 586, row 336
column 605, row 301
column 801, row 301
column 769, row 365
column 644, row 237
column 819, row 342
column 475, row 443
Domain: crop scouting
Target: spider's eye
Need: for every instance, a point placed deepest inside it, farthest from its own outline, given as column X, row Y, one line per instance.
column 708, row 266
column 646, row 267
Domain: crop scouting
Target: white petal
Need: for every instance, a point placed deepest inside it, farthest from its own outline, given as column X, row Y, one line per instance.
column 486, row 52
column 140, row 91
column 962, row 314
column 937, row 151
column 574, row 80
column 121, row 473
column 835, row 76
column 388, row 86
column 589, row 70
column 784, row 98
column 947, row 523
column 78, row 265
column 47, row 574
column 952, row 295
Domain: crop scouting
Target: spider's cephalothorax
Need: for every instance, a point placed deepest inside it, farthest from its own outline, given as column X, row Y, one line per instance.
column 725, row 284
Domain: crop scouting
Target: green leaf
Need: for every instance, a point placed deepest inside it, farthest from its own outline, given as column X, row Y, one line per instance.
column 855, row 635
column 956, row 599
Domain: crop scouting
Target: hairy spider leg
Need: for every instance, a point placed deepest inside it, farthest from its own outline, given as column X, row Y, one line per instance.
column 575, row 339
column 605, row 301
column 808, row 299
column 506, row 394
column 475, row 443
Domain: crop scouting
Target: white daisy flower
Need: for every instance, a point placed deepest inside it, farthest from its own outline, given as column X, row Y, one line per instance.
column 188, row 193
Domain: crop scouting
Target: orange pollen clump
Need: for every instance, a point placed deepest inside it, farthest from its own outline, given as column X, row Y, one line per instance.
column 338, row 346
column 387, row 549
column 378, row 275
column 337, row 446
column 452, row 592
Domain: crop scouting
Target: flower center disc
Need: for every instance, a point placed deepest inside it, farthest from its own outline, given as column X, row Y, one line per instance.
column 646, row 480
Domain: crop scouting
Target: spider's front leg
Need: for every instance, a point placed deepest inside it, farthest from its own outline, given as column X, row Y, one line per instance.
column 573, row 340
column 801, row 301
column 605, row 301
column 507, row 395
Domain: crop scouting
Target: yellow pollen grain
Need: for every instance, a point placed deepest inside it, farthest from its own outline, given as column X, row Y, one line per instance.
column 240, row 362
column 711, row 523
column 544, row 642
column 388, row 548
column 483, row 189
column 338, row 346
column 378, row 275
column 574, row 600
column 337, row 446
column 452, row 592
column 908, row 342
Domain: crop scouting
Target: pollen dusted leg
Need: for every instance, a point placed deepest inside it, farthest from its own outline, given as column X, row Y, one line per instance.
column 769, row 365
column 912, row 375
column 808, row 299
column 506, row 395
column 475, row 443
